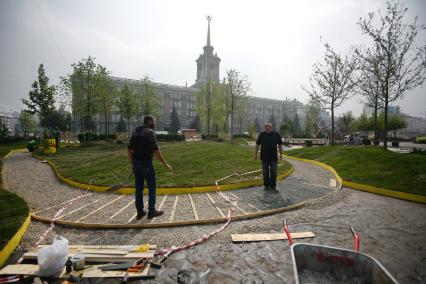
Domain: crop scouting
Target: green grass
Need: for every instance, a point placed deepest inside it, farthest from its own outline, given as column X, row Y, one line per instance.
column 13, row 209
column 373, row 166
column 194, row 163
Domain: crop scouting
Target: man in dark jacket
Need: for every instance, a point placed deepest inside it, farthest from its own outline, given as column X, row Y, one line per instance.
column 268, row 141
column 142, row 147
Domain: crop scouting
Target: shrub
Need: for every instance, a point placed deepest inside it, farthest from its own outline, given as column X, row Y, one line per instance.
column 308, row 143
column 240, row 136
column 421, row 140
column 170, row 137
column 211, row 136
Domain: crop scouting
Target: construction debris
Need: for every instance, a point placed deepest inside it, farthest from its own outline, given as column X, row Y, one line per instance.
column 127, row 262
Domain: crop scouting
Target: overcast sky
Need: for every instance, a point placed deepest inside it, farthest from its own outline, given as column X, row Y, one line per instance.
column 274, row 43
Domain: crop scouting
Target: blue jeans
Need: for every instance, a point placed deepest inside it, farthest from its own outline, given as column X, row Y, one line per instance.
column 144, row 170
column 269, row 170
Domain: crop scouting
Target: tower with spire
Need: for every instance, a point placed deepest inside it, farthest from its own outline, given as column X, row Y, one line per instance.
column 207, row 63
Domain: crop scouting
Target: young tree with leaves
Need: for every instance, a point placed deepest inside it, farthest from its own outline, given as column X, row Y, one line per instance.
column 82, row 84
column 27, row 121
column 312, row 119
column 127, row 105
column 41, row 98
column 105, row 92
column 333, row 81
column 400, row 65
column 196, row 124
column 174, row 121
column 148, row 101
column 209, row 101
column 237, row 89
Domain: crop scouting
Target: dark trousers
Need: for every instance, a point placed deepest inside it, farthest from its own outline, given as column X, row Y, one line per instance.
column 144, row 171
column 269, row 170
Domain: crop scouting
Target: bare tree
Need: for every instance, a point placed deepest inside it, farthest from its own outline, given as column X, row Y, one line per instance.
column 401, row 66
column 369, row 85
column 333, row 81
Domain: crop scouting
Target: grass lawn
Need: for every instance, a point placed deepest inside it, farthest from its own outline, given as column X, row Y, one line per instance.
column 13, row 209
column 194, row 163
column 372, row 165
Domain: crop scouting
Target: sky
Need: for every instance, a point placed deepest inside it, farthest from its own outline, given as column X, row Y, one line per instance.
column 274, row 43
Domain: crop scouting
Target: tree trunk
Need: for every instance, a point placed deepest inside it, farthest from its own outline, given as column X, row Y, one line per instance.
column 332, row 126
column 385, row 127
column 376, row 138
column 232, row 111
column 106, row 124
column 208, row 109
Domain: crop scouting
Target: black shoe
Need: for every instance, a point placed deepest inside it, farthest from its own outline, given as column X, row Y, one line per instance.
column 156, row 213
column 140, row 216
column 274, row 189
column 265, row 188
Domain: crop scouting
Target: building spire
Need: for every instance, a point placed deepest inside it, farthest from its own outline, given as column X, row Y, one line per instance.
column 209, row 18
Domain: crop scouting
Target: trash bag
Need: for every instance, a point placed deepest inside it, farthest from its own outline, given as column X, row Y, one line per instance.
column 51, row 259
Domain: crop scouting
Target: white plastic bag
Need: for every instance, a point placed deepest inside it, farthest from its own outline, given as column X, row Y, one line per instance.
column 51, row 259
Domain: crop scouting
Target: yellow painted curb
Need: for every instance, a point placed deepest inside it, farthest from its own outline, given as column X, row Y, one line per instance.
column 386, row 192
column 23, row 150
column 14, row 241
column 163, row 190
column 365, row 187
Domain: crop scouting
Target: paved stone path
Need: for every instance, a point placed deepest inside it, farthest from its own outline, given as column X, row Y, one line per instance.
column 37, row 184
column 392, row 230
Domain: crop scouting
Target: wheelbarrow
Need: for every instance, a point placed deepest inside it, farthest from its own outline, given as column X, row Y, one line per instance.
column 324, row 264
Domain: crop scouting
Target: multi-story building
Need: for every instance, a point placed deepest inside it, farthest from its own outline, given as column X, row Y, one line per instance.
column 184, row 98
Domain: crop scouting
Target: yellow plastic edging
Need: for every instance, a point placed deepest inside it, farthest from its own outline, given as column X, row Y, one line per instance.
column 366, row 187
column 164, row 190
column 14, row 241
column 386, row 192
column 15, row 151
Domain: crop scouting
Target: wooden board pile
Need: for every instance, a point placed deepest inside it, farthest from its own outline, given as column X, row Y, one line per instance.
column 99, row 262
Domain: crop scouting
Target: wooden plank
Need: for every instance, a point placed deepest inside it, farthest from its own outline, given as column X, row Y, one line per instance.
column 65, row 202
column 193, row 206
column 122, row 209
column 119, row 247
column 133, row 256
column 174, row 209
column 95, row 272
column 269, row 237
column 100, row 208
column 215, row 206
column 20, row 269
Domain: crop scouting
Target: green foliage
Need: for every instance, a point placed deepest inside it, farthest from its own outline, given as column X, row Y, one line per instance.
column 373, row 166
column 149, row 102
column 174, row 121
column 170, row 137
column 346, row 123
column 13, row 209
column 421, row 140
column 27, row 121
column 41, row 98
column 295, row 126
column 127, row 104
column 273, row 121
column 257, row 125
column 210, row 106
column 58, row 119
column 196, row 123
column 194, row 163
column 364, row 123
column 284, row 129
column 312, row 119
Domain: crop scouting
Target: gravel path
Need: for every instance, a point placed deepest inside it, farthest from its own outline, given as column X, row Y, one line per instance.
column 391, row 230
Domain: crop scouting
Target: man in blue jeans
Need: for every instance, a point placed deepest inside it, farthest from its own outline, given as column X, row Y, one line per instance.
column 268, row 141
column 142, row 147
